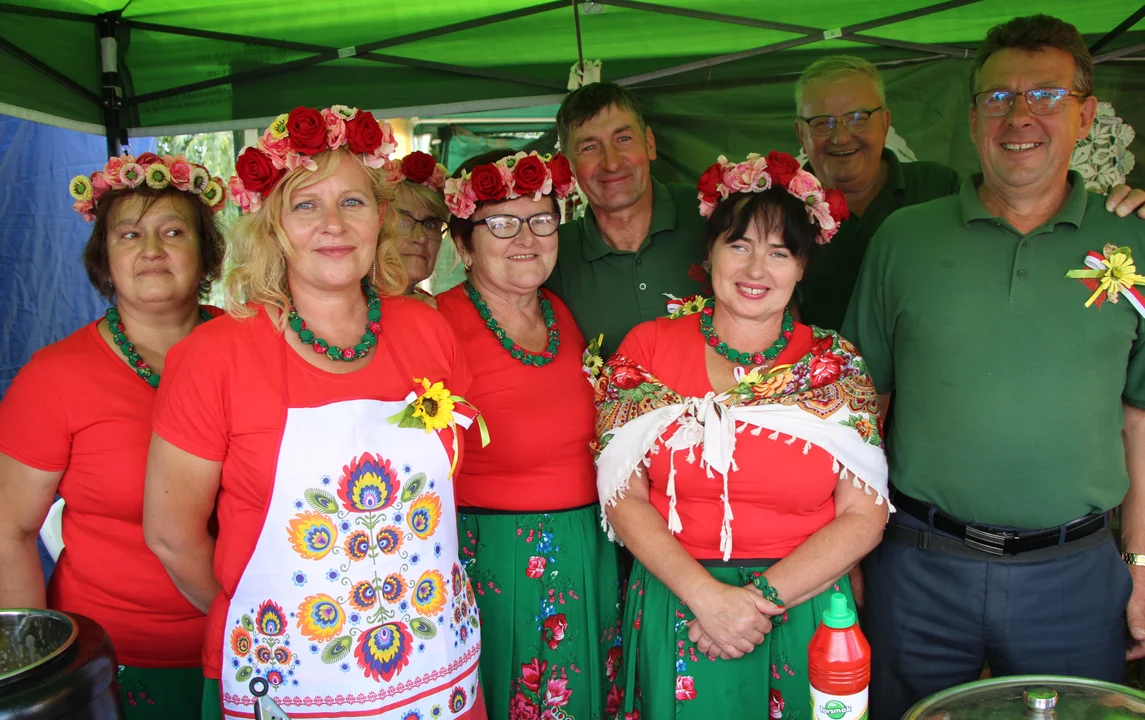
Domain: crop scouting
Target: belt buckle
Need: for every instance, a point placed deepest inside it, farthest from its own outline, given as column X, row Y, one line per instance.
column 987, row 542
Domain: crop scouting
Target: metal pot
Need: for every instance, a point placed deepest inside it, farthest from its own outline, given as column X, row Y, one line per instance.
column 1032, row 697
column 56, row 665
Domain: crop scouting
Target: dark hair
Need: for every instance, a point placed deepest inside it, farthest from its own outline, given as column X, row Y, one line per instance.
column 461, row 229
column 775, row 209
column 586, row 102
column 1033, row 34
column 95, row 258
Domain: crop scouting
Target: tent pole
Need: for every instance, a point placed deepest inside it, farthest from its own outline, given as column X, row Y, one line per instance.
column 1118, row 31
column 576, row 26
column 1118, row 53
column 112, row 94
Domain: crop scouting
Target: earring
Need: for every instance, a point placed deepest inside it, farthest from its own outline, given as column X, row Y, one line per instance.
column 375, row 272
column 204, row 286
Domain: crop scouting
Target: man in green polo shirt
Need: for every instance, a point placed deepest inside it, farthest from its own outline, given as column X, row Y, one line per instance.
column 842, row 124
column 640, row 239
column 1011, row 398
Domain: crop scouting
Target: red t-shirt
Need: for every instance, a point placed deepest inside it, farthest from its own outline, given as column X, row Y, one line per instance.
column 540, row 419
column 222, row 399
column 779, row 496
column 77, row 407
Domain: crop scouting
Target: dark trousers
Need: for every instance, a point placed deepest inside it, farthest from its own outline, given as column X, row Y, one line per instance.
column 933, row 618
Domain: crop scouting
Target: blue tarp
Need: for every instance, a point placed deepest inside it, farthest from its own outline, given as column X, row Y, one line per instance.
column 44, row 292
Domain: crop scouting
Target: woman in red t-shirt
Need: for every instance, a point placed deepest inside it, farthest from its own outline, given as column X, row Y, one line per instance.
column 318, row 420
column 76, row 422
column 530, row 524
column 418, row 222
column 739, row 459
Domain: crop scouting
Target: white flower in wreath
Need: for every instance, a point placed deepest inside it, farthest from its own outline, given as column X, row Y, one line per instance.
column 1103, row 157
column 895, row 143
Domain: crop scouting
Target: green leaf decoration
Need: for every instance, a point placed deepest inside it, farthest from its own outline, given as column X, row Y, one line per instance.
column 248, row 624
column 244, row 673
column 321, row 501
column 413, row 487
column 412, row 422
column 337, row 649
column 398, row 417
column 422, row 628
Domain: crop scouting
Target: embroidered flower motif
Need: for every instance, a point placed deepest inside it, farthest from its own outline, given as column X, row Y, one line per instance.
column 358, row 545
column 434, row 406
column 384, row 650
column 270, row 620
column 424, row 515
column 457, row 700
column 274, row 677
column 368, row 484
column 774, row 383
column 320, row 618
column 522, row 707
column 455, row 579
column 429, row 594
column 263, row 654
column 685, row 688
column 776, row 705
column 363, row 595
column 240, row 641
column 612, row 661
column 557, row 692
column 553, row 630
column 389, row 540
column 393, row 588
column 282, row 655
column 536, row 567
column 312, row 535
column 412, row 715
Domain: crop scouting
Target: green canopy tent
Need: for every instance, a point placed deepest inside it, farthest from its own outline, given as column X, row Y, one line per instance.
column 716, row 74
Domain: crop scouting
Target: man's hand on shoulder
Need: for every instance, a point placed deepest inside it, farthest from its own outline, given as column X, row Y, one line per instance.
column 1123, row 200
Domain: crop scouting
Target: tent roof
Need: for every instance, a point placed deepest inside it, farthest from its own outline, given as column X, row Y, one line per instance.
column 210, row 63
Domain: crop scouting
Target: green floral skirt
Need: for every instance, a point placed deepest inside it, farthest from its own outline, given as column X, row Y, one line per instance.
column 160, row 693
column 670, row 678
column 549, row 598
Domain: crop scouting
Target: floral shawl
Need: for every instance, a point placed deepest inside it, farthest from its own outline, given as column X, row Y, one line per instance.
column 825, row 399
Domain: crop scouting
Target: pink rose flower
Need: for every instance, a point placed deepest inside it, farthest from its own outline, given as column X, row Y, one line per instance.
column 522, row 707
column 84, row 208
column 803, row 184
column 99, row 185
column 111, row 172
column 181, row 174
column 247, row 201
column 335, row 129
column 277, row 149
column 437, row 179
column 553, row 630
column 536, row 567
column 532, row 673
column 776, row 705
column 460, row 198
column 706, row 208
column 557, row 693
column 685, row 688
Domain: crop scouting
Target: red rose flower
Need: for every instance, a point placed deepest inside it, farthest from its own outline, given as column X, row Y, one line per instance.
column 557, row 692
column 562, row 173
column 634, row 715
column 837, row 203
column 553, row 630
column 487, row 183
column 825, row 369
column 614, row 701
column 418, row 166
column 536, row 567
column 523, row 708
column 363, row 134
column 531, row 673
column 685, row 688
column 529, row 175
column 627, row 377
column 776, row 705
column 782, row 167
column 709, row 183
column 306, row 129
column 821, row 346
column 612, row 662
column 257, row 171
column 147, row 158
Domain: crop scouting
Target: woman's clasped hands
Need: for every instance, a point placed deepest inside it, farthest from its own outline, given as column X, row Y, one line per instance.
column 731, row 621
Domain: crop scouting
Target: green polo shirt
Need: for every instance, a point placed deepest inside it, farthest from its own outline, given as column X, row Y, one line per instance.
column 834, row 267
column 611, row 291
column 1008, row 390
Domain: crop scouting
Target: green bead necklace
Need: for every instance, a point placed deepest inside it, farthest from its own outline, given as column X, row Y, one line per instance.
column 746, row 358
column 350, row 354
column 519, row 353
column 138, row 364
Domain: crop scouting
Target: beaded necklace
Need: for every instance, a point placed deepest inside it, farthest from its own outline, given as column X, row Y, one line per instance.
column 747, row 358
column 519, row 353
column 350, row 354
column 138, row 364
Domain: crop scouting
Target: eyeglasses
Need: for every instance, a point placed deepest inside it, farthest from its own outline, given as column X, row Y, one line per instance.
column 855, row 122
column 509, row 226
column 431, row 227
column 1042, row 101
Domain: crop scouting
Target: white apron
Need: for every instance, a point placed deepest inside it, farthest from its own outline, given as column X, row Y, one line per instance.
column 353, row 603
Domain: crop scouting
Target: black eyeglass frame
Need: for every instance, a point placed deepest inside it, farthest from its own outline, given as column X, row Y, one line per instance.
column 836, row 120
column 423, row 223
column 520, row 222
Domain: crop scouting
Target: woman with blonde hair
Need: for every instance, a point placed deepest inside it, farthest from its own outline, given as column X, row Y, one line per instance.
column 417, row 225
column 319, row 422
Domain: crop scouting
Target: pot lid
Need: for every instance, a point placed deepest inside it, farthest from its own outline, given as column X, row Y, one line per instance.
column 1032, row 697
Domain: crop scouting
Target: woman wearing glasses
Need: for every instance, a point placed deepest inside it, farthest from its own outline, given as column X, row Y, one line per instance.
column 419, row 216
column 529, row 521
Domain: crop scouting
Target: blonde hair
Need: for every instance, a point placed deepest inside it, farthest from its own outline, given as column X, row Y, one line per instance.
column 407, row 191
column 837, row 67
column 259, row 250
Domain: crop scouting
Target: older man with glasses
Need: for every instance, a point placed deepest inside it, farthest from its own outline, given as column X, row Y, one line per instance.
column 992, row 316
column 842, row 124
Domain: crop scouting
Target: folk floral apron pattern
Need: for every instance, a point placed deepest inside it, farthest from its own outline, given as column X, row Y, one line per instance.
column 353, row 603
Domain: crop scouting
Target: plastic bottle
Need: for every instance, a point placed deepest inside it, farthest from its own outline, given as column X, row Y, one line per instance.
column 839, row 665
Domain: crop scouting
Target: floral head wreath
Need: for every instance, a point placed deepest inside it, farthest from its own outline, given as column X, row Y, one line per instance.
column 511, row 177
column 826, row 208
column 127, row 172
column 295, row 137
column 420, row 168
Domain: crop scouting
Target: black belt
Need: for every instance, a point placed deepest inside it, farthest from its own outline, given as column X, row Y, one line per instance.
column 992, row 540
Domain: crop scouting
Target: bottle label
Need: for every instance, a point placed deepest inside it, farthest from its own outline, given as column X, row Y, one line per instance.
column 826, row 706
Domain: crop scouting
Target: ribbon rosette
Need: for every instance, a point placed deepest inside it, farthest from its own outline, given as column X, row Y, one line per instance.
column 1110, row 274
column 436, row 409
